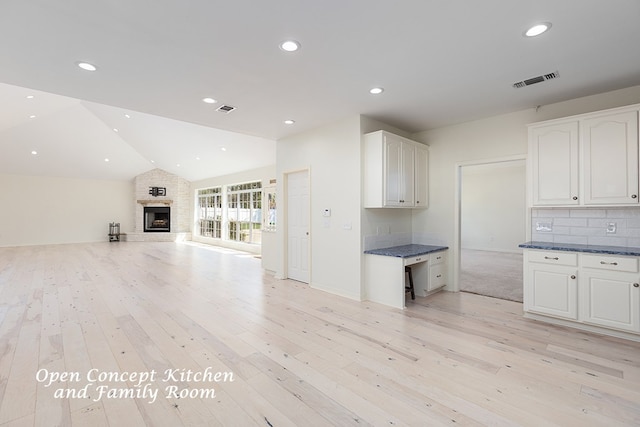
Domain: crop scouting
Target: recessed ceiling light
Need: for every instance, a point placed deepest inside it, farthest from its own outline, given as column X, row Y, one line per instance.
column 178, row 165
column 289, row 45
column 86, row 66
column 106, row 160
column 152, row 161
column 376, row 90
column 537, row 29
column 127, row 116
column 32, row 116
column 209, row 100
column 116, row 130
column 197, row 158
column 223, row 149
column 289, row 122
column 30, row 96
column 34, row 152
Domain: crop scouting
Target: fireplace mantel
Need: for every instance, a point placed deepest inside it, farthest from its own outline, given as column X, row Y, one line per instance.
column 153, row 202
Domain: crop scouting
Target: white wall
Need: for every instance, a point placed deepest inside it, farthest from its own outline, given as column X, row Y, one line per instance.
column 493, row 206
column 36, row 210
column 491, row 138
column 268, row 246
column 333, row 157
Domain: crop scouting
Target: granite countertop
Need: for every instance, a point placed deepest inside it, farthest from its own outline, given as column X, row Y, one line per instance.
column 406, row 251
column 574, row 247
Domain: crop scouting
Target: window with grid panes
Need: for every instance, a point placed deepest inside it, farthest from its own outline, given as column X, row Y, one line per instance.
column 244, row 212
column 210, row 212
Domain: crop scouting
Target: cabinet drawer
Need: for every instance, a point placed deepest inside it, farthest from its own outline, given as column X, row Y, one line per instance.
column 438, row 257
column 607, row 262
column 437, row 276
column 416, row 259
column 553, row 257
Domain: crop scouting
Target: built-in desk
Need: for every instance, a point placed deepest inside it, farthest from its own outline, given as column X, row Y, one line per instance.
column 385, row 276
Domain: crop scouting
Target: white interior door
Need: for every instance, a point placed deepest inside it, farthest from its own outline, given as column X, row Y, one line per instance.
column 298, row 226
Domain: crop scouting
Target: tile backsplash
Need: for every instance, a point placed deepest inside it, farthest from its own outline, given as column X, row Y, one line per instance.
column 589, row 226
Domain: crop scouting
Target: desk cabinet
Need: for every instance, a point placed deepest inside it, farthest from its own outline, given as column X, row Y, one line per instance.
column 385, row 276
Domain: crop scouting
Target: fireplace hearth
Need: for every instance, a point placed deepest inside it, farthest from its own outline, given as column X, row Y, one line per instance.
column 157, row 219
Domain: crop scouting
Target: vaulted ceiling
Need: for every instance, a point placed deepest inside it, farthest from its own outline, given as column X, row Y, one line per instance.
column 439, row 62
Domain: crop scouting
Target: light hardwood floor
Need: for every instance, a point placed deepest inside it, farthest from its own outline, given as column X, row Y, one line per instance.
column 299, row 357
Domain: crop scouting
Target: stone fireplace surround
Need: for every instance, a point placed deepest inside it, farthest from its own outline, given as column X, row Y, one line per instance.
column 177, row 197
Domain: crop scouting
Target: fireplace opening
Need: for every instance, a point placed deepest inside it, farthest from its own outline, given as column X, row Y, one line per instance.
column 157, row 219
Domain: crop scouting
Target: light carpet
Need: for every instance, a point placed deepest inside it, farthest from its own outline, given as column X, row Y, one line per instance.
column 493, row 274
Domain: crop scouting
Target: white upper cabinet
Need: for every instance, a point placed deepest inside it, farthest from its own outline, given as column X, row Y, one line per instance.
column 585, row 160
column 395, row 171
column 610, row 158
column 554, row 150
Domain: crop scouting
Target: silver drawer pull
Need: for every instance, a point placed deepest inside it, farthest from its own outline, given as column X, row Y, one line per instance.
column 608, row 263
column 418, row 259
column 439, row 276
column 554, row 258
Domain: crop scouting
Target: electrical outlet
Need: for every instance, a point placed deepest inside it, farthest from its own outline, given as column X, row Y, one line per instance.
column 544, row 226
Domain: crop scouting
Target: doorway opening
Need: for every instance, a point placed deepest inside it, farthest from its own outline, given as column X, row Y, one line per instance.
column 492, row 224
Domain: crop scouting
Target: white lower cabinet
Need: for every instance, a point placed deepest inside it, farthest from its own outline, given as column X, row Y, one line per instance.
column 596, row 291
column 610, row 299
column 551, row 283
column 552, row 290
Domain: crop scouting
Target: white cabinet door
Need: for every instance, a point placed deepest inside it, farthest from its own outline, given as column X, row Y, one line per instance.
column 393, row 173
column 610, row 159
column 422, row 176
column 610, row 299
column 407, row 182
column 551, row 290
column 554, row 150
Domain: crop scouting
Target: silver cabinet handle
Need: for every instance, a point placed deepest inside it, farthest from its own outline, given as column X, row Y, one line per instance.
column 440, row 275
column 573, row 276
column 608, row 263
column 554, row 258
column 636, row 285
column 634, row 196
column 575, row 197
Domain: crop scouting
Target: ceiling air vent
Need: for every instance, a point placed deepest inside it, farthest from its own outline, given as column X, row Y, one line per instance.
column 538, row 79
column 226, row 108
